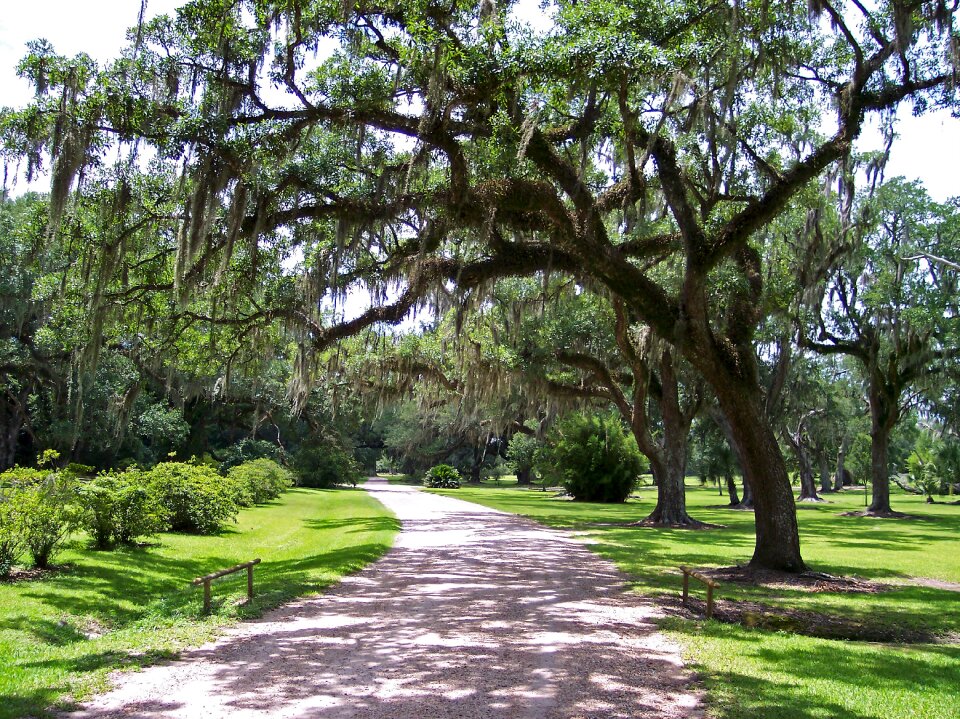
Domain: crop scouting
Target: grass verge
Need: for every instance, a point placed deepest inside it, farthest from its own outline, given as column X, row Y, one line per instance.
column 753, row 673
column 61, row 634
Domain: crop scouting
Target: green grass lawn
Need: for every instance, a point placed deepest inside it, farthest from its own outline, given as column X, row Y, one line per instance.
column 62, row 634
column 758, row 673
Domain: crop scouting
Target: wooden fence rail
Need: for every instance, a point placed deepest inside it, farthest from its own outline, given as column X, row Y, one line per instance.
column 205, row 581
column 711, row 585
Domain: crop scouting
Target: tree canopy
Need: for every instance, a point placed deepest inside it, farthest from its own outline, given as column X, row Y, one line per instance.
column 246, row 165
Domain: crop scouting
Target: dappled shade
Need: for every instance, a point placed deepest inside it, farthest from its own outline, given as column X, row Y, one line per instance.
column 474, row 613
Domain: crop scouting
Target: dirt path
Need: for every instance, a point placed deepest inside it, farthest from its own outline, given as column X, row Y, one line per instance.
column 473, row 614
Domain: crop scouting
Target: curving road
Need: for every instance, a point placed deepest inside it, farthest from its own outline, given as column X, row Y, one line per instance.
column 473, row 613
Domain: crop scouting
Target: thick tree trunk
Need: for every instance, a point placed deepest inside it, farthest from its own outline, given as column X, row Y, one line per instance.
column 879, row 475
column 724, row 424
column 668, row 458
column 777, row 534
column 669, row 470
column 838, row 478
column 732, row 490
column 826, row 476
column 11, row 424
column 808, row 485
column 883, row 418
column 747, row 501
column 523, row 477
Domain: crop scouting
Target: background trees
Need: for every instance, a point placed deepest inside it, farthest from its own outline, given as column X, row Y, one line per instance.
column 890, row 305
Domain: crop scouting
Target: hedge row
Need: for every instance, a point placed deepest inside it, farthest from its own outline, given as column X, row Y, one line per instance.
column 40, row 508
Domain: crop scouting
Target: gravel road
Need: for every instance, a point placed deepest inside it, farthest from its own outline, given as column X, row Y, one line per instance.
column 473, row 613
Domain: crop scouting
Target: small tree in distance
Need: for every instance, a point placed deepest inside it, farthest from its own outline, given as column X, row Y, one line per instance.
column 592, row 457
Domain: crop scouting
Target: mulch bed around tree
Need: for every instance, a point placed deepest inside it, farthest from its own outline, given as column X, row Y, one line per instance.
column 887, row 515
column 28, row 575
column 799, row 621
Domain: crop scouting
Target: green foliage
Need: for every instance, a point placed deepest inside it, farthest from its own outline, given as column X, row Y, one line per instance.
column 142, row 607
column 22, row 477
column 247, row 449
column 49, row 514
column 119, row 508
column 324, row 462
column 442, row 476
column 95, row 499
column 923, row 472
column 11, row 535
column 521, row 452
column 197, row 498
column 262, row 479
column 386, row 465
column 592, row 457
column 48, row 458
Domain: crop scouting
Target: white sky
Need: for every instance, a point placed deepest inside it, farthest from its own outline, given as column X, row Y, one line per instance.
column 928, row 147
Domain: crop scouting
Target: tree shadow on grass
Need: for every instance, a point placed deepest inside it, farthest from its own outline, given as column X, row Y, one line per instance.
column 471, row 614
column 356, row 524
column 815, row 673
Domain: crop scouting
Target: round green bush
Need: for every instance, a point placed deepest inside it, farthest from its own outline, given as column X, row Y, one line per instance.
column 11, row 530
column 261, row 479
column 197, row 498
column 443, row 476
column 324, row 463
column 37, row 512
column 48, row 515
column 118, row 508
column 592, row 457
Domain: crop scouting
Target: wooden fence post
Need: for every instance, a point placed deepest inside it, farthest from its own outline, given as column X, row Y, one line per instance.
column 206, row 580
column 711, row 585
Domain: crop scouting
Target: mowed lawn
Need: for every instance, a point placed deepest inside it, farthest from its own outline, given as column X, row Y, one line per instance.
column 754, row 673
column 62, row 634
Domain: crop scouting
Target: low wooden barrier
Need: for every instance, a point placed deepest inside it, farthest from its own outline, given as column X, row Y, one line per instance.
column 711, row 585
column 205, row 581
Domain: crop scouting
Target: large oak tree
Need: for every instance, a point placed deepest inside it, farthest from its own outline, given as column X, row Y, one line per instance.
column 424, row 149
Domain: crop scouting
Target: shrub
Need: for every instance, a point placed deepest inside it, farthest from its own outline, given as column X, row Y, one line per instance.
column 11, row 530
column 48, row 515
column 22, row 477
column 96, row 499
column 521, row 453
column 592, row 457
column 443, row 476
column 325, row 463
column 262, row 479
column 75, row 469
column 197, row 498
column 119, row 508
column 923, row 472
column 248, row 449
column 137, row 512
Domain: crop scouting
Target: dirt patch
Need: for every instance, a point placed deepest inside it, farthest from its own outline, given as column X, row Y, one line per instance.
column 801, row 621
column 806, row 623
column 931, row 583
column 804, row 581
column 696, row 524
column 34, row 574
column 651, row 525
column 887, row 515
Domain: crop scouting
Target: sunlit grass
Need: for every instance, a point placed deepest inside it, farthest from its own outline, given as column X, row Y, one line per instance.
column 757, row 673
column 64, row 633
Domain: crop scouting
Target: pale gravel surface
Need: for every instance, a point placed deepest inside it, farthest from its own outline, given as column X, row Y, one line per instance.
column 473, row 613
